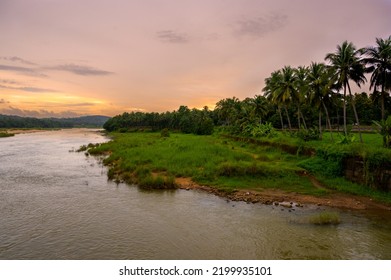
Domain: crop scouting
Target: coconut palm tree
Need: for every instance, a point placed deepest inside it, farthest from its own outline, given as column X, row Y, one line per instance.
column 301, row 74
column 348, row 65
column 284, row 89
column 271, row 86
column 320, row 83
column 379, row 60
column 260, row 107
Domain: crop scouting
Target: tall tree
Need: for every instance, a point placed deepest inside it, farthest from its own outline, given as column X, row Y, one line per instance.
column 379, row 61
column 260, row 108
column 320, row 83
column 301, row 74
column 348, row 65
column 270, row 89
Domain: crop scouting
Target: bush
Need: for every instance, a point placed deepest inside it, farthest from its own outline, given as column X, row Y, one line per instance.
column 308, row 134
column 165, row 133
column 325, row 218
column 262, row 130
column 158, row 182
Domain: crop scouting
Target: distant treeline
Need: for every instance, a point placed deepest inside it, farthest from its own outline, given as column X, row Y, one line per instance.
column 7, row 121
column 236, row 115
column 188, row 121
column 318, row 95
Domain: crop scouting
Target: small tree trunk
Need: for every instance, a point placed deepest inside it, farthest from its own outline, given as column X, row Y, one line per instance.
column 328, row 121
column 289, row 120
column 355, row 114
column 298, row 116
column 281, row 119
column 382, row 97
column 320, row 124
column 305, row 125
column 344, row 112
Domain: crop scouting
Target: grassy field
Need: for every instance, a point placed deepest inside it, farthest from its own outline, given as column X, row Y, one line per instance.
column 148, row 159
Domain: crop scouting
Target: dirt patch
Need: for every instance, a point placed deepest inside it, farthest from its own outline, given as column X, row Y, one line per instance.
column 286, row 199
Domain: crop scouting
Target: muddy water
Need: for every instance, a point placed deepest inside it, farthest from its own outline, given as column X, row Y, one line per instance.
column 58, row 204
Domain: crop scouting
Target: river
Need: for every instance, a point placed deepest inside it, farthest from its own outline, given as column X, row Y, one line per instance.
column 56, row 203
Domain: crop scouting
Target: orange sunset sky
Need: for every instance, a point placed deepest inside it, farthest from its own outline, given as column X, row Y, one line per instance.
column 68, row 58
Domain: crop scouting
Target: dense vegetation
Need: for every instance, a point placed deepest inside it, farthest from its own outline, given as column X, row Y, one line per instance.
column 261, row 140
column 25, row 122
column 228, row 164
column 317, row 96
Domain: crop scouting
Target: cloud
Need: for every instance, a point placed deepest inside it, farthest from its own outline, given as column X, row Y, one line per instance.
column 9, row 82
column 17, row 59
column 29, row 89
column 171, row 36
column 81, row 104
column 80, row 70
column 3, row 101
column 24, row 70
column 260, row 26
column 13, row 111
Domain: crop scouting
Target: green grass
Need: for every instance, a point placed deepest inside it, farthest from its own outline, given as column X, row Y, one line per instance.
column 152, row 160
column 208, row 160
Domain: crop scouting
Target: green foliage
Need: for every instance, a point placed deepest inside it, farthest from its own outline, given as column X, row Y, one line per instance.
column 263, row 130
column 384, row 129
column 165, row 132
column 158, row 182
column 325, row 218
column 26, row 122
column 194, row 121
column 6, row 134
column 308, row 134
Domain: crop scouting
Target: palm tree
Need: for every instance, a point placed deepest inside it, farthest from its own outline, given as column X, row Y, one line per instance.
column 260, row 107
column 379, row 60
column 228, row 110
column 301, row 74
column 320, row 83
column 271, row 86
column 283, row 89
column 348, row 65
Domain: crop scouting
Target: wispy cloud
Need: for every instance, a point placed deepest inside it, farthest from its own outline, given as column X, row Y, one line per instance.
column 81, row 104
column 80, row 70
column 76, row 69
column 17, row 59
column 171, row 36
column 9, row 82
column 37, row 113
column 29, row 89
column 23, row 70
column 260, row 26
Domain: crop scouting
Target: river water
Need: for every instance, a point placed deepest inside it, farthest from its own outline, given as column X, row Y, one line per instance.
column 57, row 204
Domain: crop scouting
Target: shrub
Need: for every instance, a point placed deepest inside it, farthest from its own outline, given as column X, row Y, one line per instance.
column 308, row 134
column 158, row 182
column 384, row 128
column 165, row 133
column 325, row 218
column 262, row 130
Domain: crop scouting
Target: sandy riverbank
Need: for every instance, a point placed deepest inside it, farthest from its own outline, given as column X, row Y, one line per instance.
column 277, row 197
column 22, row 131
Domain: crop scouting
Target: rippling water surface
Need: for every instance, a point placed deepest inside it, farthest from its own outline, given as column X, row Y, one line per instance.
column 57, row 204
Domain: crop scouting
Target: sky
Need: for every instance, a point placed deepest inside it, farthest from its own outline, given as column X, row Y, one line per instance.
column 66, row 58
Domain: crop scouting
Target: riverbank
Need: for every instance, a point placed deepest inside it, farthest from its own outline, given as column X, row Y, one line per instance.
column 233, row 169
column 14, row 131
column 289, row 200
